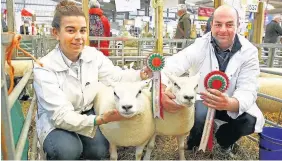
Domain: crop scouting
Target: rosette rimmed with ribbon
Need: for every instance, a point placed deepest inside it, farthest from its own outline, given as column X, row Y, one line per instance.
column 214, row 80
column 155, row 62
column 217, row 80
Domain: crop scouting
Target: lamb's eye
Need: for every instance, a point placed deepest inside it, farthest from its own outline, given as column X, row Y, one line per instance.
column 139, row 92
column 116, row 94
column 176, row 85
column 196, row 87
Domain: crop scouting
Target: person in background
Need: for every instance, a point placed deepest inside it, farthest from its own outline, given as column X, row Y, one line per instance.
column 272, row 31
column 4, row 25
column 66, row 85
column 99, row 26
column 183, row 28
column 224, row 50
column 24, row 28
column 208, row 26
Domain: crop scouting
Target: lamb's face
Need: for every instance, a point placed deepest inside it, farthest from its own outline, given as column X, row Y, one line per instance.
column 184, row 89
column 129, row 98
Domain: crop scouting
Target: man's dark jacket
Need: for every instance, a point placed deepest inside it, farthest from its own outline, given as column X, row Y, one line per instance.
column 272, row 31
column 183, row 28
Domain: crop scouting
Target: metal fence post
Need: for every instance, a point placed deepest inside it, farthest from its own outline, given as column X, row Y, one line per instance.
column 271, row 57
column 7, row 145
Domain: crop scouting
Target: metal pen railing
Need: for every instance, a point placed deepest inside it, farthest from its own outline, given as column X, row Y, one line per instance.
column 8, row 147
column 271, row 123
column 41, row 45
column 272, row 54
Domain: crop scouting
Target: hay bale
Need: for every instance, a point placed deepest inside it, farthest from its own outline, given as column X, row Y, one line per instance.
column 272, row 87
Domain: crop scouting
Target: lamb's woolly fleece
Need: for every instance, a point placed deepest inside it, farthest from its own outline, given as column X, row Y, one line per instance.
column 133, row 132
column 20, row 67
column 271, row 75
column 179, row 123
column 273, row 87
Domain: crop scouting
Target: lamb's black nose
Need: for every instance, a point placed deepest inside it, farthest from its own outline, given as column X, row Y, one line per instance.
column 188, row 97
column 127, row 107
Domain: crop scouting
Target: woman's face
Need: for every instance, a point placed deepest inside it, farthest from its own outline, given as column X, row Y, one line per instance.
column 72, row 35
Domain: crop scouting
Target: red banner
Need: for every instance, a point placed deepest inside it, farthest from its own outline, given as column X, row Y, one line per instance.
column 205, row 12
column 26, row 12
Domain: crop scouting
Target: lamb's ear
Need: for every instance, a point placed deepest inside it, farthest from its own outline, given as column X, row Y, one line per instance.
column 146, row 83
column 170, row 76
column 197, row 77
column 111, row 83
column 131, row 65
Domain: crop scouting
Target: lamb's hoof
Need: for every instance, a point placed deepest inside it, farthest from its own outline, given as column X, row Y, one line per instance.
column 146, row 157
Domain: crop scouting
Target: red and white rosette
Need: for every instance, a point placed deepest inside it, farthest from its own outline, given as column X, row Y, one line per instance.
column 214, row 80
column 156, row 63
column 217, row 80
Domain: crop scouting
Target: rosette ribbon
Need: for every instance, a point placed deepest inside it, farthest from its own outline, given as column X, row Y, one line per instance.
column 156, row 63
column 215, row 80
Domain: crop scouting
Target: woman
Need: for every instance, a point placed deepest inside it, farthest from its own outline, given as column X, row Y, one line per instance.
column 65, row 87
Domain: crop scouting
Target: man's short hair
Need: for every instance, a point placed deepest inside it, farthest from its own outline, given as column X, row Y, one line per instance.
column 276, row 17
column 237, row 16
column 181, row 7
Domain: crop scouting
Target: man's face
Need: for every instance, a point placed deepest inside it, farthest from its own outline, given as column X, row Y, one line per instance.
column 179, row 13
column 72, row 35
column 224, row 28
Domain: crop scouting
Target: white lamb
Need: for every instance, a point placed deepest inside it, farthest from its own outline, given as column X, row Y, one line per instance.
column 133, row 101
column 180, row 123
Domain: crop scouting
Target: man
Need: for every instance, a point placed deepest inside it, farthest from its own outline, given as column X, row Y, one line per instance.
column 4, row 25
column 183, row 28
column 24, row 28
column 99, row 26
column 221, row 49
column 272, row 31
column 208, row 27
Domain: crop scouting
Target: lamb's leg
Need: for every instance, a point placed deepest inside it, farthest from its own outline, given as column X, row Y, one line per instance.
column 180, row 141
column 139, row 151
column 113, row 152
column 150, row 147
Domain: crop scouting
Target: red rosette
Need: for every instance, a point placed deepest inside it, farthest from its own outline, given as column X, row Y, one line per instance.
column 217, row 80
column 155, row 62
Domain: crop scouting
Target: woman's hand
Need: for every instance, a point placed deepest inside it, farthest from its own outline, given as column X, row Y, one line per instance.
column 146, row 73
column 109, row 116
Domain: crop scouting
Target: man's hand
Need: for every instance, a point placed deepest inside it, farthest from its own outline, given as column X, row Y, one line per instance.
column 219, row 101
column 168, row 104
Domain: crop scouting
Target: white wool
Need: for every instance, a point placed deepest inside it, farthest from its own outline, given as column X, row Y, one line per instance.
column 270, row 86
column 140, row 127
column 180, row 123
column 20, row 67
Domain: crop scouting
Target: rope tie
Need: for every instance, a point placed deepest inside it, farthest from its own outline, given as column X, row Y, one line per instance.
column 15, row 44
